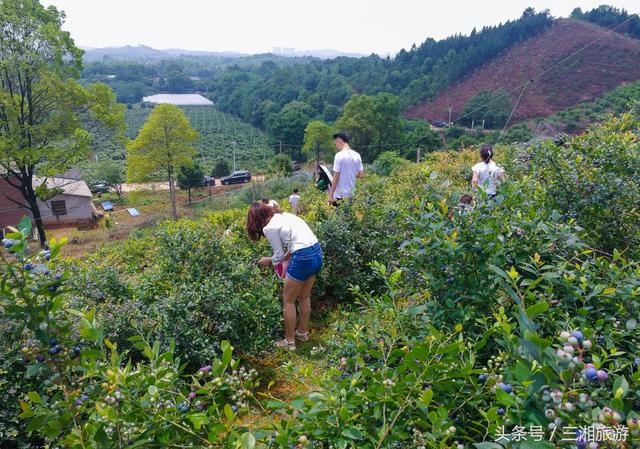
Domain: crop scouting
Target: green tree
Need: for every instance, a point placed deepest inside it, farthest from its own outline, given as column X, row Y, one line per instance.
column 493, row 107
column 358, row 120
column 164, row 143
column 387, row 121
column 281, row 164
column 108, row 171
column 289, row 124
column 190, row 177
column 46, row 116
column 220, row 169
column 388, row 162
column 419, row 134
column 318, row 136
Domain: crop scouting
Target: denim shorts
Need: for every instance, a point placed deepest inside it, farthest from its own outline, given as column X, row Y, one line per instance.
column 305, row 263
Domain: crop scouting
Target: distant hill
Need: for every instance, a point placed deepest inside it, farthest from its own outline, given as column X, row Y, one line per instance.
column 612, row 60
column 143, row 52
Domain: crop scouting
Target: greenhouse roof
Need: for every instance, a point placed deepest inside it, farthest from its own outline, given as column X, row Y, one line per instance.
column 178, row 99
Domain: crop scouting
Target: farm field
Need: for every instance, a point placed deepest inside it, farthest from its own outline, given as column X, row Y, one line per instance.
column 217, row 132
column 433, row 326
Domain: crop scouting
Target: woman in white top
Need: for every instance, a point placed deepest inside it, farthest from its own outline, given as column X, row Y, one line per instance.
column 487, row 174
column 284, row 230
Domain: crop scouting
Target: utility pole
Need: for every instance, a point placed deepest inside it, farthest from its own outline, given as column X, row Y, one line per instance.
column 450, row 109
column 482, row 124
column 473, row 122
column 234, row 155
column 418, row 156
column 318, row 158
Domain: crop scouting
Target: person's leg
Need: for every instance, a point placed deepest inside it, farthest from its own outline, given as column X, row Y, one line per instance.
column 305, row 305
column 292, row 289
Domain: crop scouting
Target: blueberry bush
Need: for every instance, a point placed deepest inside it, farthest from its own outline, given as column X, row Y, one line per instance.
column 509, row 323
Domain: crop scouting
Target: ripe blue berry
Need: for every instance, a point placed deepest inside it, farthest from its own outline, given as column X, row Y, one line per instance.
column 500, row 411
column 40, row 358
column 234, row 408
column 27, row 266
column 54, row 350
column 505, row 387
column 53, row 342
column 578, row 335
column 483, row 378
column 591, row 374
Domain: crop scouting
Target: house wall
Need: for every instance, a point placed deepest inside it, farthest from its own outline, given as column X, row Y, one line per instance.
column 79, row 210
column 10, row 212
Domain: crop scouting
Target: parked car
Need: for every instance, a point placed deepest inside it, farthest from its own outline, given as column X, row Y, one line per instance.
column 440, row 124
column 208, row 181
column 296, row 166
column 237, row 177
column 99, row 187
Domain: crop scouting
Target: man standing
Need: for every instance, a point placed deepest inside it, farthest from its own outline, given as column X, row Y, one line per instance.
column 347, row 166
column 294, row 200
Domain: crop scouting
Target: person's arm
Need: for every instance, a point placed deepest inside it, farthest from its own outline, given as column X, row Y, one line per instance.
column 360, row 173
column 273, row 235
column 474, row 180
column 335, row 180
column 334, row 185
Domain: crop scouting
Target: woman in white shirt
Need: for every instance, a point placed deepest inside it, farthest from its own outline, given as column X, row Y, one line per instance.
column 487, row 174
column 284, row 230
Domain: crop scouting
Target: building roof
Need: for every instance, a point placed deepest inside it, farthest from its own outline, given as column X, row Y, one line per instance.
column 74, row 187
column 178, row 99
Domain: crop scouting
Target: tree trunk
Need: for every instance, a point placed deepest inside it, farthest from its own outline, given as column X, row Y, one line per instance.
column 31, row 198
column 172, row 194
column 189, row 192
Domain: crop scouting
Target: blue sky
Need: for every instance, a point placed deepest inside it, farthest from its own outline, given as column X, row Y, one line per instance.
column 255, row 26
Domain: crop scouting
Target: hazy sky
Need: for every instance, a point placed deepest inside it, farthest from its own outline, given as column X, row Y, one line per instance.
column 255, row 26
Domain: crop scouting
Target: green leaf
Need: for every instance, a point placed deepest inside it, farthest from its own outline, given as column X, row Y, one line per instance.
column 34, row 397
column 488, row 445
column 426, row 396
column 620, row 387
column 504, row 398
column 198, row 420
column 228, row 412
column 276, row 405
column 537, row 309
column 532, row 444
column 353, row 433
column 247, row 440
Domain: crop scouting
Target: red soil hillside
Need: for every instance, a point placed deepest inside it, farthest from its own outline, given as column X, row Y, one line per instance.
column 611, row 61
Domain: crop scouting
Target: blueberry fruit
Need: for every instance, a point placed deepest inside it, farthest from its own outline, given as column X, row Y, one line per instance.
column 234, row 408
column 54, row 350
column 636, row 362
column 53, row 288
column 483, row 378
column 505, row 387
column 76, row 351
column 500, row 411
column 591, row 374
column 27, row 266
column 578, row 335
column 53, row 342
column 40, row 358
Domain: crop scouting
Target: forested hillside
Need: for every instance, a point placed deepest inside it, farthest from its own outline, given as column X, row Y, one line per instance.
column 579, row 62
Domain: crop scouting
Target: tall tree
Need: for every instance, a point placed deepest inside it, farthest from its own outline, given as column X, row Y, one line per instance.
column 163, row 144
column 318, row 137
column 46, row 116
column 190, row 177
column 358, row 119
column 387, row 121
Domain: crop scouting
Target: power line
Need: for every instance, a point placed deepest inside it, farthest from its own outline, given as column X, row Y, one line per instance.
column 544, row 72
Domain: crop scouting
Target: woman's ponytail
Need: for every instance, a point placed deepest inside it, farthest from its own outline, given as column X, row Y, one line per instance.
column 486, row 153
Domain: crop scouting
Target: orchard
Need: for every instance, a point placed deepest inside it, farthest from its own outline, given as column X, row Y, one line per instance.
column 512, row 324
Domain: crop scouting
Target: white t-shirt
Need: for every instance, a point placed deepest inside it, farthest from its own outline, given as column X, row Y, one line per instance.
column 348, row 163
column 294, row 200
column 289, row 231
column 488, row 175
